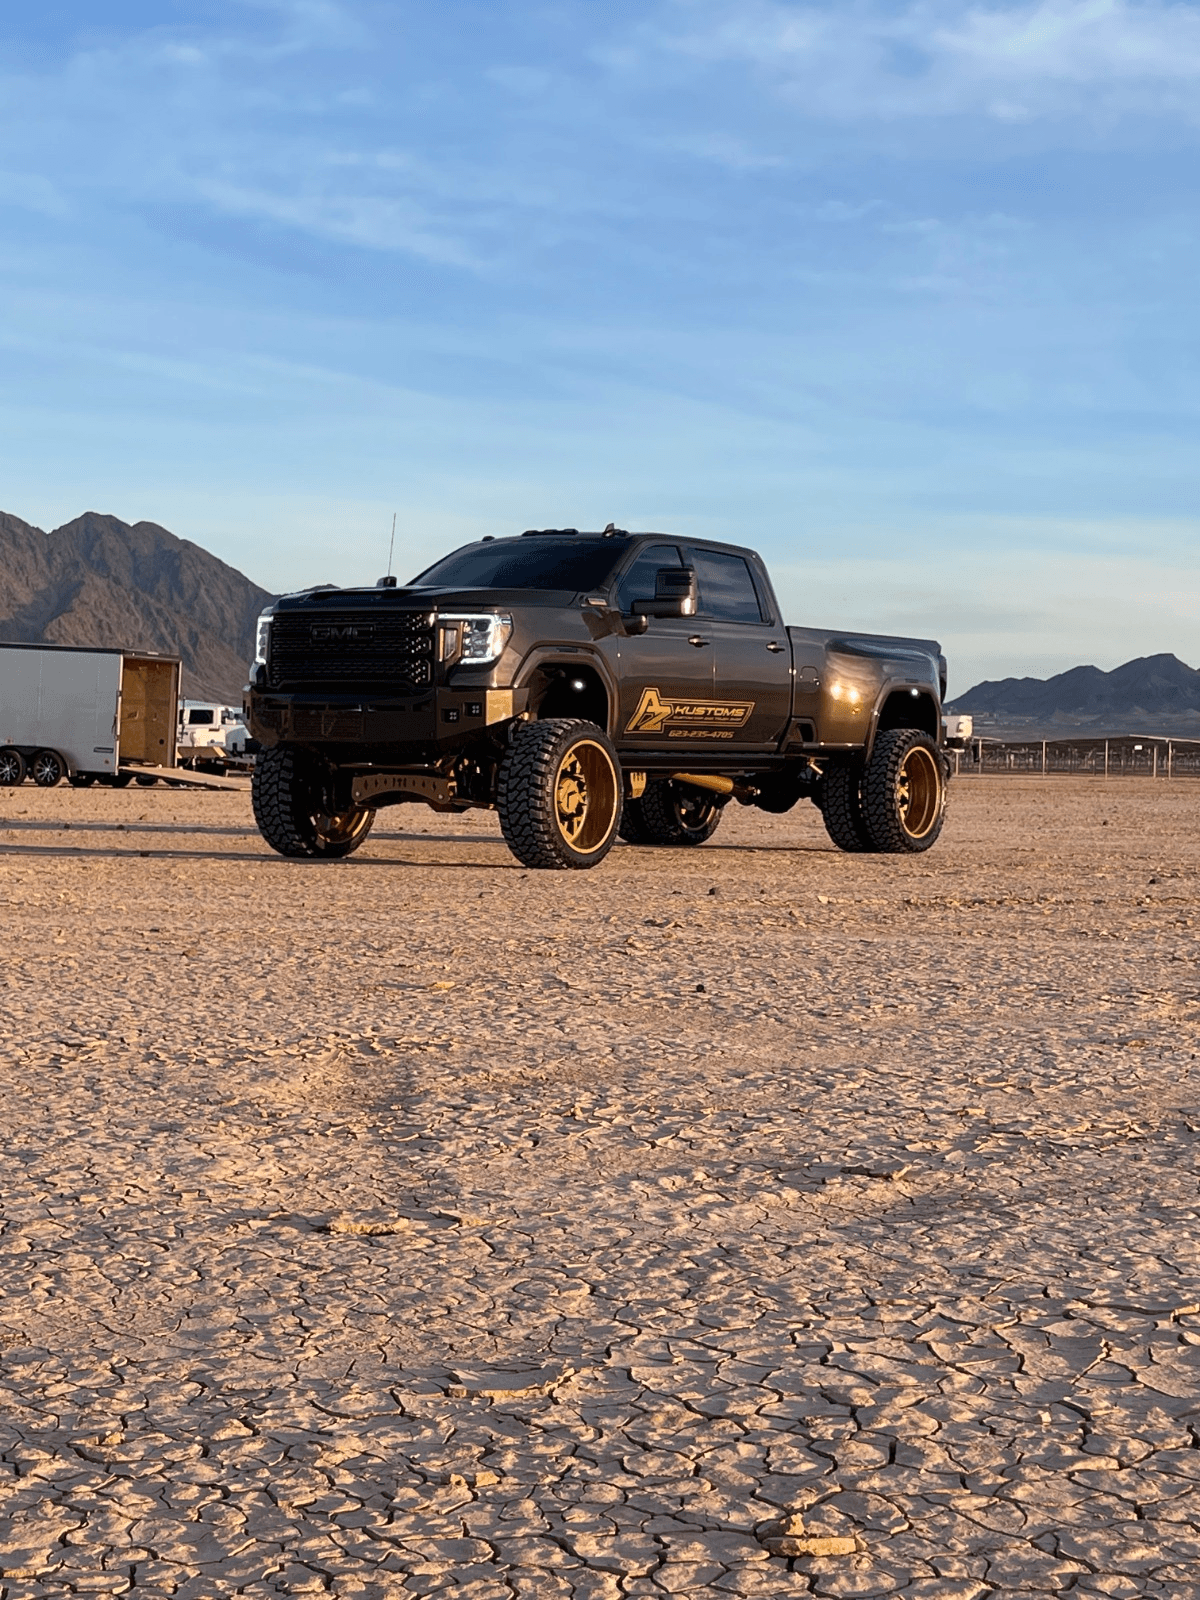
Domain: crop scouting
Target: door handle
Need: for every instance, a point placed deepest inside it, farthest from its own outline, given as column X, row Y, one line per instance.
column 697, row 641
column 774, row 647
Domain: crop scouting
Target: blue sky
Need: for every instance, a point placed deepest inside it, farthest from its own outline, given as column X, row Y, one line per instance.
column 904, row 294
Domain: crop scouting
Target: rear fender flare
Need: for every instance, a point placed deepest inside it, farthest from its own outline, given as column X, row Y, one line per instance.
column 925, row 713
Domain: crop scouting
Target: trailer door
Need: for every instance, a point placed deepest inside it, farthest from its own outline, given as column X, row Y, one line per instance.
column 148, row 710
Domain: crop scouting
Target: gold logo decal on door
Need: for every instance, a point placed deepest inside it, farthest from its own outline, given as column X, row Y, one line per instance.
column 658, row 715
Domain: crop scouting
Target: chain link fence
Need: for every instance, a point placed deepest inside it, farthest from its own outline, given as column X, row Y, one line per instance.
column 1132, row 756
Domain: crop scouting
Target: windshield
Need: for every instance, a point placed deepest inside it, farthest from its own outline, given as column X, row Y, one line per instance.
column 553, row 563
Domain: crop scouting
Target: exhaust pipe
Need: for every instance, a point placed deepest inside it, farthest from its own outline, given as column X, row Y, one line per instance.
column 704, row 780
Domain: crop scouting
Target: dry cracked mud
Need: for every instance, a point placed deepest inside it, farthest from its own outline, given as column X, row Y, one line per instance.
column 746, row 1221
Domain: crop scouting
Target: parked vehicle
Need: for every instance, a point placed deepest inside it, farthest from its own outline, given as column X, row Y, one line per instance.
column 212, row 737
column 584, row 686
column 84, row 714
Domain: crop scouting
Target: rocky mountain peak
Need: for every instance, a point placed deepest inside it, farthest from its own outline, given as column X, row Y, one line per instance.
column 100, row 581
column 1157, row 685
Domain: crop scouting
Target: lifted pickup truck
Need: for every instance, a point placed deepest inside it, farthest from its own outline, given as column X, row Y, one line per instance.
column 585, row 686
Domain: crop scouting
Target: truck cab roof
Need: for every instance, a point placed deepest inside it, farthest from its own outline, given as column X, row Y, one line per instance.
column 561, row 559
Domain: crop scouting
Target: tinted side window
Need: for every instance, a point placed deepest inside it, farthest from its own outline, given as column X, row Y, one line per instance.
column 726, row 588
column 638, row 582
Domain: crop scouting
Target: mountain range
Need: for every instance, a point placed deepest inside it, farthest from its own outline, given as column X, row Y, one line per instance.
column 100, row 581
column 1148, row 688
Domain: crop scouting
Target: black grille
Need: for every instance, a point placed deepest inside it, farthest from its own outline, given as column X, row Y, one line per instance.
column 327, row 648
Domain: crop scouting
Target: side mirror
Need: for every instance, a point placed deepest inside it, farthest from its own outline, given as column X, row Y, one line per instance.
column 674, row 594
column 601, row 619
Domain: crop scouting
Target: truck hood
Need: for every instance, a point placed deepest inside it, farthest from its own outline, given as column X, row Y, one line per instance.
column 409, row 599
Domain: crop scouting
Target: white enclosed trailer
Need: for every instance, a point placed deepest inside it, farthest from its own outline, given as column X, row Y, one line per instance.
column 84, row 713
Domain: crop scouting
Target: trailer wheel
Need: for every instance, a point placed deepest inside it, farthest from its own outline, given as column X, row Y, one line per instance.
column 678, row 813
column 841, row 806
column 119, row 780
column 146, row 780
column 904, row 792
column 291, row 813
column 12, row 768
column 82, row 780
column 48, row 768
column 559, row 794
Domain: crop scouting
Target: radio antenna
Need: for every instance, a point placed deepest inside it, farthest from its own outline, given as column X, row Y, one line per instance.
column 392, row 545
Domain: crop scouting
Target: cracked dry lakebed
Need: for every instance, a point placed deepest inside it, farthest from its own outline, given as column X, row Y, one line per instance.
column 752, row 1220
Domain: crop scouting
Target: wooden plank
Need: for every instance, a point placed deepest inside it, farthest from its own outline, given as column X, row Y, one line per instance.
column 183, row 776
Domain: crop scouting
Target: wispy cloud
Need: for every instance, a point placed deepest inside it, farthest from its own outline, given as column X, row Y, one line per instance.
column 929, row 58
column 32, row 192
column 257, row 117
column 323, row 119
column 725, row 150
column 371, row 221
column 312, row 24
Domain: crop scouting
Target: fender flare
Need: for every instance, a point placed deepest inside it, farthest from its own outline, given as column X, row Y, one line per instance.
column 924, row 691
column 571, row 655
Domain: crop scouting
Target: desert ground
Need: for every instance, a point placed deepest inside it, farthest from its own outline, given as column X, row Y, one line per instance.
column 749, row 1221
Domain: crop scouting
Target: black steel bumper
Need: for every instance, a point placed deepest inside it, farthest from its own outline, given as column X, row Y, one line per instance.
column 443, row 717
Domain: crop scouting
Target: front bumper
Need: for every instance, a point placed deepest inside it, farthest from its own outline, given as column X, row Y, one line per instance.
column 441, row 718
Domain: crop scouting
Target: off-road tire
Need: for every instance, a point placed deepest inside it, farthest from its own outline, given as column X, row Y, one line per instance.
column 904, row 792
column 82, row 780
column 678, row 813
column 841, row 806
column 558, row 794
column 47, row 769
column 284, row 792
column 146, row 780
column 12, row 768
column 633, row 827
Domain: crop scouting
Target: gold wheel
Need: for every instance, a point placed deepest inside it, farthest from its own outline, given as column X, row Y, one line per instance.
column 919, row 792
column 339, row 833
column 585, row 797
column 341, row 827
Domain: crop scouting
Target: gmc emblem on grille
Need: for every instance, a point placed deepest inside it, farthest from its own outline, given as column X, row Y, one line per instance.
column 332, row 632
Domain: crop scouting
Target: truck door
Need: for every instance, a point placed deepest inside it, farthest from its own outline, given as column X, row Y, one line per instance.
column 752, row 655
column 665, row 675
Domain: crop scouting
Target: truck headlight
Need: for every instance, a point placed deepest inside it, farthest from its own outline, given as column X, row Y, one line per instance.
column 476, row 639
column 262, row 640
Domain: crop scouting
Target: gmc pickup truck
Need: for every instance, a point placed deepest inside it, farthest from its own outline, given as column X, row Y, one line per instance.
column 588, row 686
